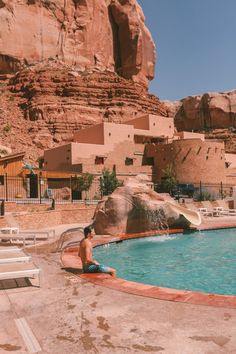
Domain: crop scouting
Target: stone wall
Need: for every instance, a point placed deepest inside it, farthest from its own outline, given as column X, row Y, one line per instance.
column 43, row 219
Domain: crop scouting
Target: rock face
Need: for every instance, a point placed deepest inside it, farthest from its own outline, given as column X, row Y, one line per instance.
column 72, row 64
column 136, row 208
column 86, row 34
column 210, row 110
column 43, row 105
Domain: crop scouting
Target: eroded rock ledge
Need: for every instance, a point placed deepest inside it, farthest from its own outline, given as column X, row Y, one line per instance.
column 44, row 104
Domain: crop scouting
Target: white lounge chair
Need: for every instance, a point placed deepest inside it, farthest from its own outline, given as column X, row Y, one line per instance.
column 212, row 211
column 223, row 207
column 14, row 256
column 9, row 230
column 205, row 212
column 9, row 248
column 18, row 270
column 18, row 238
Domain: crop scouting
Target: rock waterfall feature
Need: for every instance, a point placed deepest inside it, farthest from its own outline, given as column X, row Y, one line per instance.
column 134, row 207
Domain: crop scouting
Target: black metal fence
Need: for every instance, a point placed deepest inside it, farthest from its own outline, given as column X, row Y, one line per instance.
column 36, row 189
column 199, row 191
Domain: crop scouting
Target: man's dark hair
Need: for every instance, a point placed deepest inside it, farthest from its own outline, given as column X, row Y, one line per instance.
column 87, row 230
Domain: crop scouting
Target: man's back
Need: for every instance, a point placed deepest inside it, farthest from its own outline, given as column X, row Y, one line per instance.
column 85, row 251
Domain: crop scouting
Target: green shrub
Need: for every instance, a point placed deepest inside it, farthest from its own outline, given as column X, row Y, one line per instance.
column 108, row 182
column 204, row 195
column 83, row 183
column 169, row 181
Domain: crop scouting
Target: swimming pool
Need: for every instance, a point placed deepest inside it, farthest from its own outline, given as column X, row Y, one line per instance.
column 201, row 261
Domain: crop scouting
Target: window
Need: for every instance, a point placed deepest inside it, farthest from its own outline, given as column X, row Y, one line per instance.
column 1, row 180
column 99, row 160
column 149, row 161
column 129, row 161
column 109, row 134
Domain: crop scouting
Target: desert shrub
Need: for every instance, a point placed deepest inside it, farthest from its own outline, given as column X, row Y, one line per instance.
column 83, row 183
column 204, row 195
column 108, row 182
column 169, row 181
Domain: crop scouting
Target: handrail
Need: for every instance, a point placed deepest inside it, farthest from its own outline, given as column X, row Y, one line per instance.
column 62, row 237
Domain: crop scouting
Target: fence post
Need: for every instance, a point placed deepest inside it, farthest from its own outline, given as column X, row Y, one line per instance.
column 2, row 211
column 53, row 204
column 40, row 192
column 71, row 192
column 221, row 190
column 6, row 196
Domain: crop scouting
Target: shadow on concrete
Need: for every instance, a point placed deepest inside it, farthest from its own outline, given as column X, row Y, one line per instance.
column 73, row 270
column 14, row 283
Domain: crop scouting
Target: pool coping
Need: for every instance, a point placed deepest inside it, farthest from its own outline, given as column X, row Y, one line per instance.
column 71, row 261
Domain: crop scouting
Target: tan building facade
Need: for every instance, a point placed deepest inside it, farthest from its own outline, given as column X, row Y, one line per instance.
column 110, row 145
column 146, row 145
column 193, row 160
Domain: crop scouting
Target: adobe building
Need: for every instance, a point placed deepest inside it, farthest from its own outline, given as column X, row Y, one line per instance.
column 113, row 146
column 193, row 160
column 144, row 145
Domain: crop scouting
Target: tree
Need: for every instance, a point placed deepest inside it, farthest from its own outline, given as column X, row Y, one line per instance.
column 108, row 182
column 169, row 180
column 83, row 183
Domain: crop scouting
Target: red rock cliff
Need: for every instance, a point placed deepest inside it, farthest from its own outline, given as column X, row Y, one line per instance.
column 207, row 111
column 211, row 113
column 74, row 63
column 87, row 34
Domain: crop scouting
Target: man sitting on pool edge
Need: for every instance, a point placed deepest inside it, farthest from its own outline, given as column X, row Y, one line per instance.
column 86, row 255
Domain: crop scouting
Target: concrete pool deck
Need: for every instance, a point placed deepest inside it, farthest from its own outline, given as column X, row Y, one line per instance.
column 68, row 314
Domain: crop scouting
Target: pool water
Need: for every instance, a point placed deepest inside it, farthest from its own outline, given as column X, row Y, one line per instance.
column 201, row 261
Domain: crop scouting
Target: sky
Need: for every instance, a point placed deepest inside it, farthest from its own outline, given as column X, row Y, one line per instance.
column 196, row 46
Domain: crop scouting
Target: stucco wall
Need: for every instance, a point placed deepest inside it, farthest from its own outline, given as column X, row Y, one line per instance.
column 58, row 158
column 93, row 135
column 154, row 126
column 193, row 160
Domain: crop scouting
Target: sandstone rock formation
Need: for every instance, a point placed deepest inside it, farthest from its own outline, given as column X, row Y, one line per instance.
column 43, row 105
column 136, row 208
column 72, row 64
column 207, row 111
column 105, row 34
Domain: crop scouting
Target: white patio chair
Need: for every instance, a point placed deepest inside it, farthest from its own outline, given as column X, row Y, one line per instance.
column 225, row 208
column 17, row 255
column 18, row 270
column 205, row 212
column 18, row 238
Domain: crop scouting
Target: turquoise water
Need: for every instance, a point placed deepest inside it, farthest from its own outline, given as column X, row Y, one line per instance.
column 202, row 261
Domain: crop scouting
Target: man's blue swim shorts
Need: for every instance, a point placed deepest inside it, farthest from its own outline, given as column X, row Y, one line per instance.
column 96, row 268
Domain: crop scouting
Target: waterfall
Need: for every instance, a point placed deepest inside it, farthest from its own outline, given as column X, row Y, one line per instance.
column 158, row 218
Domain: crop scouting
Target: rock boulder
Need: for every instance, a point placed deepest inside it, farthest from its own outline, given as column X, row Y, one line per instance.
column 136, row 208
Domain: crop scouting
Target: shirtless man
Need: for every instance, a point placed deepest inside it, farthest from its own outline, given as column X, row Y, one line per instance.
column 86, row 255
